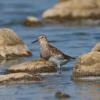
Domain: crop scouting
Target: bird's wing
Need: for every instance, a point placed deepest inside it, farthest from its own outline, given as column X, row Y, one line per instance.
column 54, row 51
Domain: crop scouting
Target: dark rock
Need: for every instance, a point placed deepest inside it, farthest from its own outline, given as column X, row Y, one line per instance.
column 32, row 21
column 60, row 95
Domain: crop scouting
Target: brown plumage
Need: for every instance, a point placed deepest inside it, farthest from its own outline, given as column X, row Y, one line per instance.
column 55, row 51
column 51, row 53
column 47, row 50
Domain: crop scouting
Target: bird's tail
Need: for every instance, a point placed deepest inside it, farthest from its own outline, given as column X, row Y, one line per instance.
column 70, row 57
column 73, row 57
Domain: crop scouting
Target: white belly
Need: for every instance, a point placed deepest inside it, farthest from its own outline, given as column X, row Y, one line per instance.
column 57, row 60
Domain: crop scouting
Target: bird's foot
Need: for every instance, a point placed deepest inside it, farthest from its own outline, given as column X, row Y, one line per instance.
column 59, row 71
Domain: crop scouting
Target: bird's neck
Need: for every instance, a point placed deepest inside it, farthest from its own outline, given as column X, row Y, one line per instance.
column 44, row 50
column 44, row 45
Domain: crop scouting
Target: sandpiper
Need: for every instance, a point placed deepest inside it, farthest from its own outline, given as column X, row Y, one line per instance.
column 50, row 52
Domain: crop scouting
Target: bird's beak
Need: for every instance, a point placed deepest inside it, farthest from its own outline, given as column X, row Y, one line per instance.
column 34, row 41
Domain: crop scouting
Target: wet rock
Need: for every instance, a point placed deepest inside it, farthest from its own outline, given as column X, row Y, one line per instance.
column 18, row 77
column 11, row 45
column 32, row 21
column 60, row 95
column 81, row 9
column 34, row 66
column 88, row 65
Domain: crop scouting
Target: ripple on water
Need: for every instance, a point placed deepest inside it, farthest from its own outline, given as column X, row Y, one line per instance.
column 71, row 40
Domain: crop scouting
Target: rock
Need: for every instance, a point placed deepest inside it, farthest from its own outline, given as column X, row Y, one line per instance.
column 34, row 66
column 60, row 95
column 81, row 9
column 18, row 78
column 96, row 47
column 62, row 0
column 32, row 21
column 88, row 65
column 11, row 45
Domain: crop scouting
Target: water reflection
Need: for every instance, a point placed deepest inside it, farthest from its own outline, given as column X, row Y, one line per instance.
column 88, row 90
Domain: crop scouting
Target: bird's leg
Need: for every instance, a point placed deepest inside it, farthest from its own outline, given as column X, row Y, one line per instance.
column 59, row 68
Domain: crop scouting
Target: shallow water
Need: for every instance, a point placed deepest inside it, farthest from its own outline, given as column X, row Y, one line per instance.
column 73, row 40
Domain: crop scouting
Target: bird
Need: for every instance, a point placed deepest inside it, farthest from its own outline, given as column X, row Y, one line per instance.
column 51, row 53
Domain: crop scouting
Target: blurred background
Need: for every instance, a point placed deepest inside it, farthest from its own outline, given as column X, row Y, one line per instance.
column 12, row 10
column 73, row 39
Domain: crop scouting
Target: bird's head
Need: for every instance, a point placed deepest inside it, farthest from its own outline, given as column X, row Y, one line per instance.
column 42, row 39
